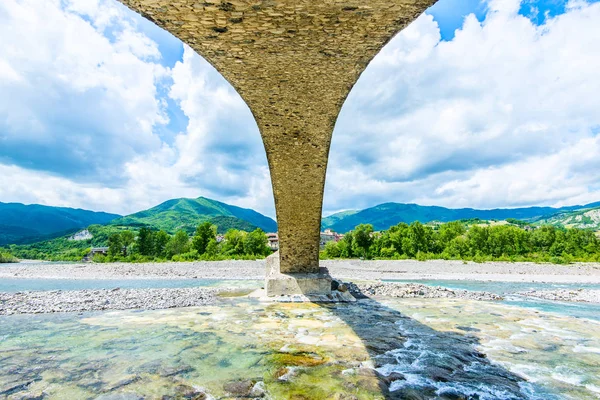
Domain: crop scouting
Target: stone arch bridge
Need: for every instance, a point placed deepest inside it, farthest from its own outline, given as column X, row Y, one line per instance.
column 293, row 62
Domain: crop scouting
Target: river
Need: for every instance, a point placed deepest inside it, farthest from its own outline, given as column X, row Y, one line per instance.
column 420, row 348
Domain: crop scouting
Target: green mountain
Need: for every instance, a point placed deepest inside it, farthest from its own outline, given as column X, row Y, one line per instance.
column 20, row 223
column 186, row 214
column 588, row 218
column 388, row 214
column 333, row 219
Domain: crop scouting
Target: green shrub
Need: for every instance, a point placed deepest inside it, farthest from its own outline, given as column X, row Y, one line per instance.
column 6, row 257
column 558, row 260
column 388, row 252
column 191, row 255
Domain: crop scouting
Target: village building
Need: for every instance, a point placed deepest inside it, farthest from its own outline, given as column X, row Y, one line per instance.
column 329, row 236
column 94, row 251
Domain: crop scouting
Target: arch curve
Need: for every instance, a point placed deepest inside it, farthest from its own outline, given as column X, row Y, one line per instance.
column 294, row 63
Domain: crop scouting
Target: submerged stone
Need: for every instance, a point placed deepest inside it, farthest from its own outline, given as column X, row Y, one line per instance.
column 240, row 388
column 120, row 396
column 300, row 359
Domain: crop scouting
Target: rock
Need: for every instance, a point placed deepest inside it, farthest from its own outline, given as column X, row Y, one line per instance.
column 14, row 388
column 342, row 288
column 259, row 390
column 468, row 329
column 32, row 396
column 239, row 388
column 393, row 377
column 438, row 374
column 172, row 371
column 189, row 392
column 124, row 382
column 381, row 360
column 120, row 396
column 411, row 394
column 334, row 284
column 371, row 384
column 367, row 372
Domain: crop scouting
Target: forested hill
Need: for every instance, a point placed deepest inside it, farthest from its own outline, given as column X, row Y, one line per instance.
column 388, row 214
column 186, row 214
column 20, row 223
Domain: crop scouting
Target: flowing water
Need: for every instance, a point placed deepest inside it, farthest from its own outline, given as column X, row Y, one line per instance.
column 421, row 348
column 510, row 289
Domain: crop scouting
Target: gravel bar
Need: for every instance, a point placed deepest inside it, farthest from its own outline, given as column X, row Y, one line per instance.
column 412, row 290
column 342, row 269
column 113, row 299
column 578, row 295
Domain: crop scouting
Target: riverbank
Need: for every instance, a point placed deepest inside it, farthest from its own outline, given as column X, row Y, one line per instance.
column 342, row 269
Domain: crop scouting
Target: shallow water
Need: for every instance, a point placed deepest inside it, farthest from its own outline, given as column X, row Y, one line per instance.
column 508, row 289
column 440, row 348
column 498, row 287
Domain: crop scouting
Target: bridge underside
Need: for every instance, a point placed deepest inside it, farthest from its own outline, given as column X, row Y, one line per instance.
column 293, row 62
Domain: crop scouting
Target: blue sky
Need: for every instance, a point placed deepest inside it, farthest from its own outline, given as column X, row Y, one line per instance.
column 476, row 104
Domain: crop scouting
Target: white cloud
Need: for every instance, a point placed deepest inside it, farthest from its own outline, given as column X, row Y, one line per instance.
column 499, row 116
column 505, row 114
column 77, row 104
column 80, row 106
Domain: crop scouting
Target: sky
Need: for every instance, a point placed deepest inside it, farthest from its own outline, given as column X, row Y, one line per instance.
column 478, row 103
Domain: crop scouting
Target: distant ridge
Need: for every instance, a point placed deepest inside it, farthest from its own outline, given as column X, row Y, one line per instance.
column 186, row 214
column 385, row 215
column 21, row 224
column 585, row 218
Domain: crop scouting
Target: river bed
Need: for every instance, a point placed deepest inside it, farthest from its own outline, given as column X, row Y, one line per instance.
column 373, row 349
column 435, row 347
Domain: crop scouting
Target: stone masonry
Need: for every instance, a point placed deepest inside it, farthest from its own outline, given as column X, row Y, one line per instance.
column 293, row 62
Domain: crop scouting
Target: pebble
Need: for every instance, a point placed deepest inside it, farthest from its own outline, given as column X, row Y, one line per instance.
column 579, row 295
column 105, row 299
column 412, row 290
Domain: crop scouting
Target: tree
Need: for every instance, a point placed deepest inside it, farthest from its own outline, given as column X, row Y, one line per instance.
column 543, row 238
column 212, row 248
column 362, row 239
column 146, row 242
column 234, row 242
column 127, row 238
column 477, row 238
column 418, row 239
column 345, row 245
column 449, row 231
column 332, row 249
column 204, row 233
column 178, row 244
column 255, row 243
column 115, row 245
column 161, row 238
column 456, row 248
column 397, row 235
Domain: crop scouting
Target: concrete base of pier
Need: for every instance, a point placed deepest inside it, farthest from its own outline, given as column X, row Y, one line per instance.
column 300, row 287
